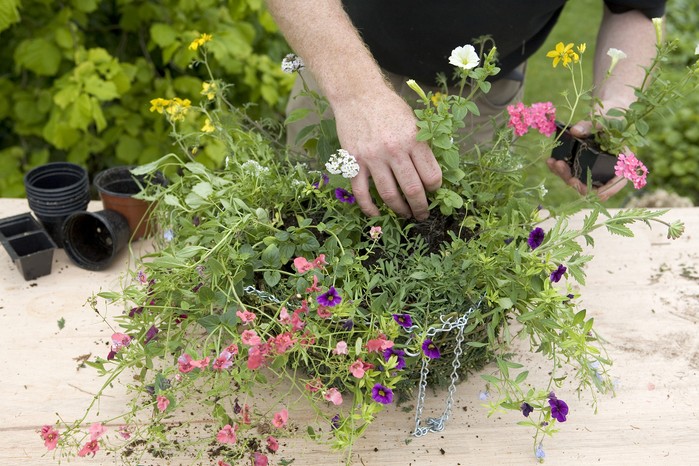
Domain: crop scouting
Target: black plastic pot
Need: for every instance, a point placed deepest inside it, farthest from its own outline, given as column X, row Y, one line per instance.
column 583, row 156
column 29, row 246
column 93, row 239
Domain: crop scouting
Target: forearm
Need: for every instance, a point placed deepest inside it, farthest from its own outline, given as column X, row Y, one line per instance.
column 634, row 34
column 323, row 35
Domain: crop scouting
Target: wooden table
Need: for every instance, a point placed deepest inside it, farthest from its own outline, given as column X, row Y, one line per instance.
column 643, row 292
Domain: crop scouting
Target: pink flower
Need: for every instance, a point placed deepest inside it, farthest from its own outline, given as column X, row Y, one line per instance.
column 246, row 414
column 250, row 338
column 255, row 358
column 282, row 342
column 119, row 341
column 340, row 348
column 520, row 118
column 185, row 363
column 359, row 367
column 334, row 396
column 324, row 312
column 314, row 385
column 375, row 232
column 280, row 418
column 314, row 288
column 272, row 444
column 319, row 261
column 284, row 316
column 222, row 463
column 201, row 363
column 223, row 361
column 124, row 432
column 296, row 322
column 541, row 116
column 629, row 167
column 232, row 348
column 50, row 437
column 90, row 447
column 163, row 402
column 227, row 434
column 246, row 316
column 260, row 459
column 302, row 265
column 97, row 430
column 379, row 344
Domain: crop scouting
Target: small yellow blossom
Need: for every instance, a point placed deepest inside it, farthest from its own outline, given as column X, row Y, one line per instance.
column 208, row 89
column 437, row 98
column 158, row 105
column 199, row 41
column 582, row 47
column 208, row 127
column 563, row 53
column 177, row 108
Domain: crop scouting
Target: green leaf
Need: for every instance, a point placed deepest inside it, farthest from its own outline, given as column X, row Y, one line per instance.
column 39, row 55
column 619, row 229
column 210, row 322
column 61, row 323
column 163, row 34
column 203, row 189
column 521, row 377
column 296, row 115
column 98, row 87
column 272, row 277
column 9, row 13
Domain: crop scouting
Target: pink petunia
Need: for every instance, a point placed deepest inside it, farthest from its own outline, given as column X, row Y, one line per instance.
column 340, row 348
column 272, row 444
column 296, row 322
column 232, row 348
column 260, row 459
column 223, row 361
column 119, row 341
column 97, row 430
column 324, row 312
column 250, row 338
column 334, row 396
column 302, row 265
column 282, row 342
column 90, row 447
column 185, row 363
column 162, row 402
column 124, row 432
column 227, row 434
column 280, row 418
column 246, row 316
column 358, row 368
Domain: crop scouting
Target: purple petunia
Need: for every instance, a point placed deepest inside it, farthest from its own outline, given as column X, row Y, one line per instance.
column 335, row 422
column 559, row 408
column 381, row 394
column 404, row 320
column 343, row 195
column 330, row 298
column 526, row 409
column 557, row 274
column 536, row 237
column 150, row 334
column 347, row 324
column 430, row 349
column 400, row 356
column 322, row 182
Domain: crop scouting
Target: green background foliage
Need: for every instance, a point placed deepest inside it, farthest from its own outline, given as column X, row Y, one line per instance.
column 77, row 76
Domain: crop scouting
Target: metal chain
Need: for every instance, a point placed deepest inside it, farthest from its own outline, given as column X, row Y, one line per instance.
column 261, row 294
column 438, row 424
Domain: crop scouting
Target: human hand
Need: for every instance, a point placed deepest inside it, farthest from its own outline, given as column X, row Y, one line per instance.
column 380, row 131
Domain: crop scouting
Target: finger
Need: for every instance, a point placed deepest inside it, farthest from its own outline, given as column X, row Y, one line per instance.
column 427, row 167
column 360, row 190
column 414, row 192
column 612, row 187
column 562, row 169
column 581, row 129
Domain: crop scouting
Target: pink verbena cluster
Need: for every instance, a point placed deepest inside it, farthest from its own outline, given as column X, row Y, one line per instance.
column 629, row 167
column 540, row 116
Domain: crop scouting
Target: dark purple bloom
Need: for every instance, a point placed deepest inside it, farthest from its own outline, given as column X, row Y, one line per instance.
column 111, row 355
column 508, row 240
column 343, row 195
column 557, row 274
column 196, row 288
column 400, row 356
column 180, row 318
column 536, row 237
column 559, row 408
column 381, row 394
column 150, row 334
column 526, row 409
column 430, row 349
column 324, row 181
column 570, row 296
column 335, row 422
column 196, row 221
column 347, row 324
column 330, row 298
column 404, row 320
column 236, row 407
column 135, row 310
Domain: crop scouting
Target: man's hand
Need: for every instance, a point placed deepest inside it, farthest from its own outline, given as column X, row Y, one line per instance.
column 382, row 137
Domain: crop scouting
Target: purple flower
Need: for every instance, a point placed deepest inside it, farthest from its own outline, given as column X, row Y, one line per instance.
column 347, row 324
column 196, row 221
column 111, row 355
column 430, row 349
column 557, row 274
column 400, row 356
column 536, row 237
column 330, row 298
column 324, row 181
column 539, row 453
column 404, row 320
column 335, row 422
column 343, row 195
column 381, row 394
column 559, row 408
column 150, row 334
column 196, row 288
column 526, row 409
column 135, row 310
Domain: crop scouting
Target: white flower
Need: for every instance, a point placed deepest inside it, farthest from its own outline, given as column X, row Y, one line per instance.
column 253, row 167
column 464, row 57
column 616, row 55
column 342, row 162
column 658, row 25
column 292, row 63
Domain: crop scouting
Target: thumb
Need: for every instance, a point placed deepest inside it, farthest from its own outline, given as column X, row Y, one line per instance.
column 581, row 129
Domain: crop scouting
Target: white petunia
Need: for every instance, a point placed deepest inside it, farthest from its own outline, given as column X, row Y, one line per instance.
column 616, row 55
column 464, row 57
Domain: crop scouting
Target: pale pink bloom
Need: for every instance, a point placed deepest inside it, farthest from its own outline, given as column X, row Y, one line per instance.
column 319, row 261
column 119, row 341
column 296, row 322
column 90, row 447
column 284, row 316
column 314, row 385
column 358, row 368
column 97, row 430
column 246, row 316
column 340, row 348
column 375, row 232
column 324, row 312
column 163, row 402
column 250, row 338
column 282, row 342
column 334, row 396
column 272, row 444
column 223, row 361
column 379, row 344
column 302, row 265
column 50, row 437
column 260, row 459
column 255, row 358
column 629, row 167
column 185, row 363
column 227, row 434
column 280, row 418
column 124, row 432
column 232, row 348
column 314, row 287
column 202, row 363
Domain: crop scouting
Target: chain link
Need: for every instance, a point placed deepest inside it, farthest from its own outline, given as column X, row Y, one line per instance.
column 261, row 294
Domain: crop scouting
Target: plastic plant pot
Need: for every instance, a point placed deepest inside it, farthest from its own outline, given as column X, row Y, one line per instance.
column 32, row 253
column 117, row 186
column 53, row 225
column 18, row 225
column 583, row 156
column 93, row 239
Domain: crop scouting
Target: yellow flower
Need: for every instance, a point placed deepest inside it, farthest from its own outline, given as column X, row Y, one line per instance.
column 209, row 90
column 208, row 127
column 158, row 105
column 582, row 47
column 436, row 98
column 563, row 53
column 177, row 108
column 199, row 41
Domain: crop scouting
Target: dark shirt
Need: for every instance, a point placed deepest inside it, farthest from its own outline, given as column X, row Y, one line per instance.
column 414, row 38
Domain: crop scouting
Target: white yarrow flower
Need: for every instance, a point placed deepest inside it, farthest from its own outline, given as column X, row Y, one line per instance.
column 292, row 63
column 464, row 57
column 253, row 167
column 344, row 163
column 616, row 55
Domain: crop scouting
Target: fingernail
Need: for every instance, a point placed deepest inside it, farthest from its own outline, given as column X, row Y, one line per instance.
column 578, row 129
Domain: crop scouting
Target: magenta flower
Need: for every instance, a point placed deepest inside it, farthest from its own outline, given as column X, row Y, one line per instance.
column 559, row 408
column 430, row 349
column 343, row 195
column 536, row 237
column 260, row 459
column 629, row 167
column 404, row 320
column 381, row 394
column 330, row 298
column 557, row 274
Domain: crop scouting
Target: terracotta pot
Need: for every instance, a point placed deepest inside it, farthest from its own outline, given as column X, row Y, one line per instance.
column 117, row 186
column 583, row 156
